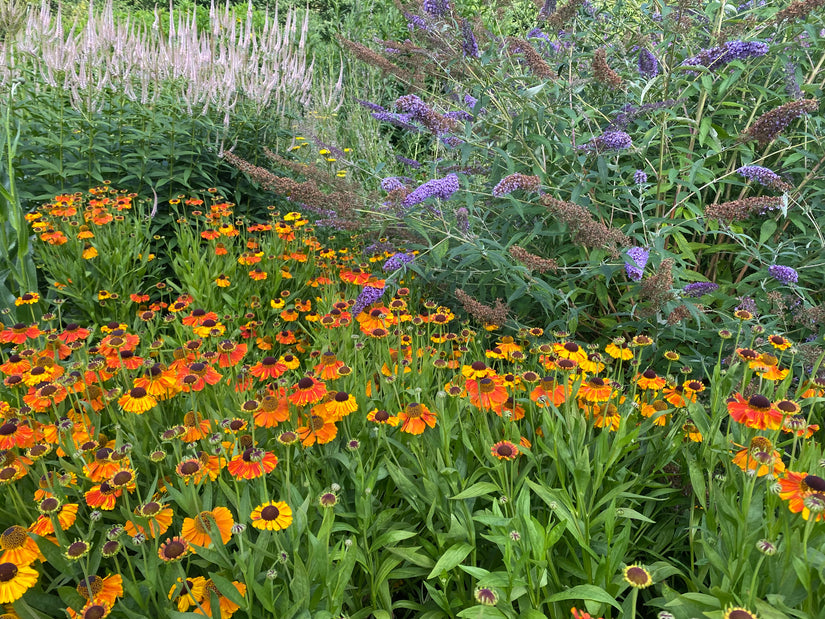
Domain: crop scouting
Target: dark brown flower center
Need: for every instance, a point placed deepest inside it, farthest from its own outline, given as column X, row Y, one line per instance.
column 270, row 513
column 138, row 392
column 759, row 401
column 13, row 537
column 122, row 478
column 173, row 549
column 49, row 505
column 506, row 451
column 8, row 428
column 814, row 483
column 93, row 584
column 7, row 571
column 47, row 391
column 638, row 576
column 77, row 549
column 190, row 467
column 96, row 611
column 786, row 406
column 305, row 383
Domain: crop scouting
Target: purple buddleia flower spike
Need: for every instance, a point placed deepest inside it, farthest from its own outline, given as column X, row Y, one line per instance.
column 698, row 289
column 639, row 255
column 442, row 188
column 397, row 261
column 469, row 44
column 784, row 275
column 436, row 8
column 717, row 57
column 408, row 162
column 368, row 296
column 648, row 65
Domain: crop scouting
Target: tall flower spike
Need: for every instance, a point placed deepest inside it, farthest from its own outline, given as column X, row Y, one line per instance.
column 767, row 127
column 648, row 65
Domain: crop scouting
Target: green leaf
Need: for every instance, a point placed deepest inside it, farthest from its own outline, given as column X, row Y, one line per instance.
column 480, row 489
column 53, row 554
column 228, row 590
column 767, row 229
column 585, row 592
column 71, row 597
column 410, row 554
column 450, row 559
column 482, row 612
column 25, row 611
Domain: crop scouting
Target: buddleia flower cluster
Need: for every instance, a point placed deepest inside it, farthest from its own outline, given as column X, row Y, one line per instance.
column 513, row 182
column 437, row 8
column 635, row 270
column 442, row 188
column 717, row 57
column 783, row 274
column 421, row 112
column 763, row 176
column 609, row 140
column 392, row 183
column 698, row 289
column 368, row 296
column 767, row 127
column 469, row 44
column 393, row 263
column 648, row 65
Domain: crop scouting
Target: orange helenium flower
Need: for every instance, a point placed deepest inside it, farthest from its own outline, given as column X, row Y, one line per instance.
column 415, row 417
column 804, row 493
column 307, row 391
column 252, row 463
column 197, row 531
column 760, row 457
column 756, row 412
